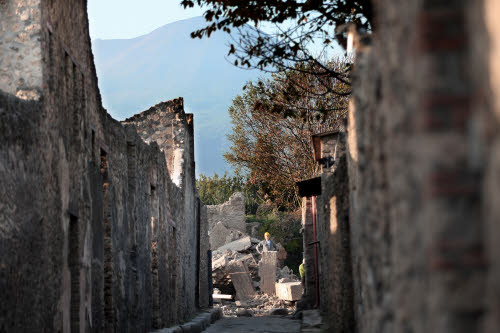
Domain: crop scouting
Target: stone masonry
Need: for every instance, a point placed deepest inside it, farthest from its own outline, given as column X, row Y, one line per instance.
column 99, row 230
column 231, row 213
column 422, row 171
column 326, row 234
column 226, row 222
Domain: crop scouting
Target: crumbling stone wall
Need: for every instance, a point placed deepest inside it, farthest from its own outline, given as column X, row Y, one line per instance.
column 172, row 129
column 94, row 234
column 231, row 213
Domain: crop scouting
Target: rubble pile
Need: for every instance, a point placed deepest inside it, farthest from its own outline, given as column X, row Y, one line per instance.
column 245, row 282
column 224, row 259
column 259, row 305
column 225, row 262
column 236, row 281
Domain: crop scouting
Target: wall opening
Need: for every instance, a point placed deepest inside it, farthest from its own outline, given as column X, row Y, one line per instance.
column 74, row 269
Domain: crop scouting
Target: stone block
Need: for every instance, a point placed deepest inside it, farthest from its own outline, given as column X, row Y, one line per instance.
column 267, row 272
column 248, row 259
column 237, row 266
column 200, row 321
column 241, row 244
column 243, row 285
column 221, row 262
column 218, row 235
column 207, row 318
column 192, row 327
column 175, row 329
column 289, row 291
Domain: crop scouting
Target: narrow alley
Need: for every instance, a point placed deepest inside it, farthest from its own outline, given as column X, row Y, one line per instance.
column 255, row 324
column 396, row 228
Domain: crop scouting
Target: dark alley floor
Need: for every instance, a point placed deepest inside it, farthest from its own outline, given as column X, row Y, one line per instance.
column 265, row 324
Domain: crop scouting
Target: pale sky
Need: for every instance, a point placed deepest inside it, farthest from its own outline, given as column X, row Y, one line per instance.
column 118, row 19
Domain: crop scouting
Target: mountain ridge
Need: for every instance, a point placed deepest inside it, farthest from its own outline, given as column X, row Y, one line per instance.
column 135, row 73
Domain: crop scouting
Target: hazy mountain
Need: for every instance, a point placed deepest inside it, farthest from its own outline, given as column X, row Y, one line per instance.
column 137, row 73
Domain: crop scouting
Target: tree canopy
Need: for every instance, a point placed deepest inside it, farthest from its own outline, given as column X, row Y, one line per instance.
column 298, row 25
column 271, row 142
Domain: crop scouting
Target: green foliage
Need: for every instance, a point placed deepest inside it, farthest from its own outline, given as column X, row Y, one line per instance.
column 284, row 228
column 216, row 190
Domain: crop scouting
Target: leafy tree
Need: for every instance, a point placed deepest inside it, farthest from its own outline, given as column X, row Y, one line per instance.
column 271, row 142
column 298, row 93
column 299, row 23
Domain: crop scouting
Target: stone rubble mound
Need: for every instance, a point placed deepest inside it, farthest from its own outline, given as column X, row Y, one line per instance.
column 240, row 257
column 259, row 305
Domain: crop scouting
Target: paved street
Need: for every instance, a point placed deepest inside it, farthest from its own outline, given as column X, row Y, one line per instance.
column 255, row 324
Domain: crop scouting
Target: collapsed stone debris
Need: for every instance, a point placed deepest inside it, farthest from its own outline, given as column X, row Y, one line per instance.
column 244, row 283
column 259, row 305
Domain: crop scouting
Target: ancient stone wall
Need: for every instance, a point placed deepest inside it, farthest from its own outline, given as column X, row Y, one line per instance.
column 420, row 145
column 172, row 129
column 94, row 234
column 21, row 48
column 205, row 267
column 231, row 213
column 308, row 210
column 485, row 55
column 335, row 282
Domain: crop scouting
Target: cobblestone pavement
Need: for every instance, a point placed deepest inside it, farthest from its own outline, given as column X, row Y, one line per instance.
column 255, row 324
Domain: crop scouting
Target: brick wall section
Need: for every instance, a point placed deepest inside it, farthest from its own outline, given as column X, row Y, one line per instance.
column 94, row 234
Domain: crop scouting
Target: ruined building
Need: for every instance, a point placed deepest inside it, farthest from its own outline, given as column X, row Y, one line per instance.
column 100, row 225
column 408, row 221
